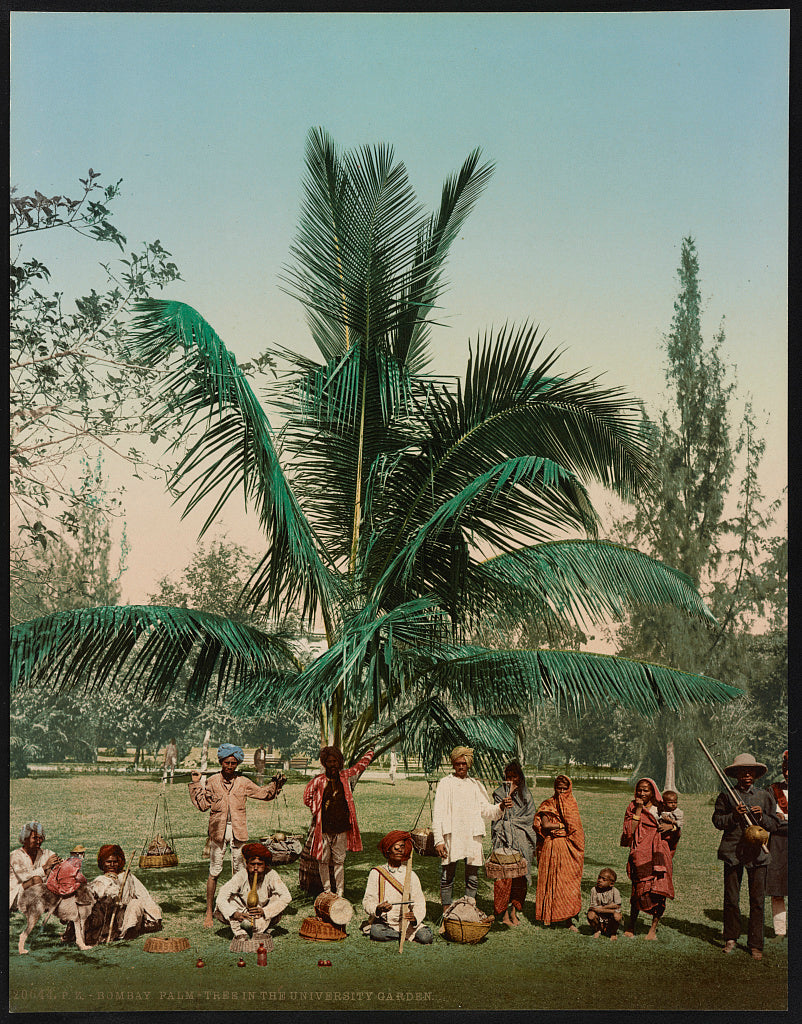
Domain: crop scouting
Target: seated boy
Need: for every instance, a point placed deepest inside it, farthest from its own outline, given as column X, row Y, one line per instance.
column 385, row 891
column 604, row 912
column 272, row 894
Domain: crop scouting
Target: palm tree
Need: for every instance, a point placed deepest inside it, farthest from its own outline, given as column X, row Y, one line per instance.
column 401, row 511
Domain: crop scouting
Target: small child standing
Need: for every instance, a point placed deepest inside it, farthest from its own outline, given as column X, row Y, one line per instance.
column 604, row 912
column 670, row 814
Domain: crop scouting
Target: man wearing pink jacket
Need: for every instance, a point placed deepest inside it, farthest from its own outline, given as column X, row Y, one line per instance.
column 329, row 797
column 224, row 796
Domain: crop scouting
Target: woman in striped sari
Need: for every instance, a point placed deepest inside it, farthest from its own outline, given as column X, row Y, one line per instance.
column 560, row 857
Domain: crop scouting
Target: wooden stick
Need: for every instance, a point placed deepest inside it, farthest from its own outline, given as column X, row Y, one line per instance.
column 405, row 899
column 119, row 899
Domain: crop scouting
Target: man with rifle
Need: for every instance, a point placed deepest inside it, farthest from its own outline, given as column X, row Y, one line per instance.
column 746, row 815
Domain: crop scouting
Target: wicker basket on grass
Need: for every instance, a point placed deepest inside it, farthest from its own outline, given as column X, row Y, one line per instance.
column 154, row 945
column 318, row 930
column 469, row 932
column 251, row 945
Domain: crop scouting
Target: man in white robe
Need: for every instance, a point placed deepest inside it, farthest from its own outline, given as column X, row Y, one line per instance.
column 461, row 807
column 273, row 896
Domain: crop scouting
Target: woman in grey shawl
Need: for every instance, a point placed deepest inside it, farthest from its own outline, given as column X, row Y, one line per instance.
column 515, row 831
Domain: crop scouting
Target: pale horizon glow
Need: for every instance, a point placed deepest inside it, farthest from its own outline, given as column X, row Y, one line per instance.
column 613, row 135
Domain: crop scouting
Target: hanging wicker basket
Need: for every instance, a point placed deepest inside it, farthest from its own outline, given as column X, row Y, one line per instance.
column 423, row 841
column 158, row 860
column 505, row 863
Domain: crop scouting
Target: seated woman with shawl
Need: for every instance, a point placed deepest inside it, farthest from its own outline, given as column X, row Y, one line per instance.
column 560, row 856
column 516, row 832
column 651, row 852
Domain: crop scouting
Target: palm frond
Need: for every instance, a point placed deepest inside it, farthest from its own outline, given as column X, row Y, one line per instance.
column 143, row 649
column 235, row 451
column 516, row 679
column 429, row 731
column 579, row 580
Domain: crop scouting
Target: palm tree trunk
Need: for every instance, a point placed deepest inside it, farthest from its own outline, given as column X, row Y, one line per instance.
column 670, row 782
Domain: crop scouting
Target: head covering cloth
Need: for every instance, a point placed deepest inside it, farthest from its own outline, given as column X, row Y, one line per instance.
column 326, row 752
column 250, row 850
column 394, row 837
column 107, row 851
column 657, row 795
column 230, row 750
column 466, row 752
column 785, row 757
column 28, row 828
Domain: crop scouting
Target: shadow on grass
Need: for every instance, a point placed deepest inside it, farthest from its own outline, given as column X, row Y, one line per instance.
column 694, row 930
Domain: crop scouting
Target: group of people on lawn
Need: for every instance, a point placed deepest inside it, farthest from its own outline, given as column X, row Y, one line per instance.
column 550, row 835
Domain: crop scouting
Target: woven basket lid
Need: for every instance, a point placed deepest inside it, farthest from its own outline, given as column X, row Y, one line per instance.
column 154, row 945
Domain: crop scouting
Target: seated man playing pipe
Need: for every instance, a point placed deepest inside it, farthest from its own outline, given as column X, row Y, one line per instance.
column 269, row 896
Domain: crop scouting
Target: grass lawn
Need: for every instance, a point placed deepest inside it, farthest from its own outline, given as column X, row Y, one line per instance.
column 526, row 968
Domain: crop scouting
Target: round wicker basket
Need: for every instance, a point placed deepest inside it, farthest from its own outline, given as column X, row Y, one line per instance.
column 503, row 864
column 469, row 932
column 251, row 945
column 154, row 945
column 158, row 860
column 321, row 931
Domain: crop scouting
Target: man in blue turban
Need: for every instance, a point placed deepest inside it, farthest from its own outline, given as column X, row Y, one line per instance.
column 224, row 796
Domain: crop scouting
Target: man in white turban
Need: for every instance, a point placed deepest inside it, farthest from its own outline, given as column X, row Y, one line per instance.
column 461, row 807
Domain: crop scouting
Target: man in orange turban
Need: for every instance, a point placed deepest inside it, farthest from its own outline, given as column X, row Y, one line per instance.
column 140, row 912
column 385, row 891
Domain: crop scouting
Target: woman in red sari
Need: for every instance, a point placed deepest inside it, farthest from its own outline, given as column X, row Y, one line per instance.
column 651, row 852
column 560, row 856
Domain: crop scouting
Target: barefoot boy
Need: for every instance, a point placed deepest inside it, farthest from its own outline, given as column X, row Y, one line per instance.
column 604, row 912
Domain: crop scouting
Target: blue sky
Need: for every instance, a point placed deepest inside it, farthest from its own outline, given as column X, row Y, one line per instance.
column 614, row 135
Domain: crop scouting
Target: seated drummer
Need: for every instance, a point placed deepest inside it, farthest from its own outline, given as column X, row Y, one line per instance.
column 272, row 894
column 385, row 890
column 140, row 912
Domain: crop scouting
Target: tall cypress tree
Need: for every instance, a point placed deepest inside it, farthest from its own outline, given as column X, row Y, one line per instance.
column 683, row 522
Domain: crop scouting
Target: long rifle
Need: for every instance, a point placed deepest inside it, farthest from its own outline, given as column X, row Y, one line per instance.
column 736, row 800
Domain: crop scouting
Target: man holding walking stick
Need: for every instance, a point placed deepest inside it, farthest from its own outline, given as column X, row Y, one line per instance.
column 736, row 813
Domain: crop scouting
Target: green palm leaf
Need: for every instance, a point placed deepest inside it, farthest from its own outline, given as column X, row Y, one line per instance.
column 143, row 649
column 518, row 679
column 235, row 451
column 578, row 580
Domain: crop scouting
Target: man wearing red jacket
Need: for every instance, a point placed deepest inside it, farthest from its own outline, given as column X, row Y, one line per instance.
column 329, row 797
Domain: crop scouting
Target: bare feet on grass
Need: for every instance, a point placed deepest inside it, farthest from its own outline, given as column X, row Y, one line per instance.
column 208, row 921
column 629, row 935
column 613, row 938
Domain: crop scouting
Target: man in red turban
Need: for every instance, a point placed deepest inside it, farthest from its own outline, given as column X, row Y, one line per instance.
column 140, row 912
column 385, row 891
column 272, row 894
